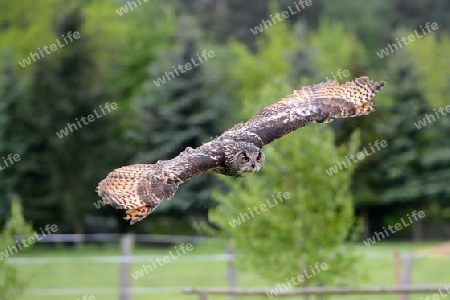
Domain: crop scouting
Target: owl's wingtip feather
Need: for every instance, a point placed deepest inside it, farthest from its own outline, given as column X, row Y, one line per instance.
column 367, row 89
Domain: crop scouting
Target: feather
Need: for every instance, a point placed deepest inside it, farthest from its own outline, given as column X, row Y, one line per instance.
column 140, row 188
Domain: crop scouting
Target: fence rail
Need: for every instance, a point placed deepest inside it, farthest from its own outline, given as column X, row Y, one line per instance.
column 115, row 237
column 402, row 262
column 204, row 292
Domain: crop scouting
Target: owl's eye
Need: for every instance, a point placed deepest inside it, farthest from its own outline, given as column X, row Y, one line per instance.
column 258, row 159
column 245, row 159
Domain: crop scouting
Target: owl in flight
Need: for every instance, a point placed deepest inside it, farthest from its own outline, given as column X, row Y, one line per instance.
column 140, row 188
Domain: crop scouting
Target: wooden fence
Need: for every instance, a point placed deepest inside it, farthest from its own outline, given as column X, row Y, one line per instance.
column 203, row 293
column 402, row 263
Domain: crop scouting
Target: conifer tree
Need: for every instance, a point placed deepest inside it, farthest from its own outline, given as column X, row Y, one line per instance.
column 313, row 215
column 12, row 285
column 11, row 93
column 397, row 172
column 185, row 111
column 58, row 172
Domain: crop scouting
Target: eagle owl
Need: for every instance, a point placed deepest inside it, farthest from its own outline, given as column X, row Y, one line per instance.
column 140, row 188
column 241, row 157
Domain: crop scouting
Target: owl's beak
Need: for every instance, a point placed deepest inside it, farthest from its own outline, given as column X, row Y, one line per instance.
column 253, row 164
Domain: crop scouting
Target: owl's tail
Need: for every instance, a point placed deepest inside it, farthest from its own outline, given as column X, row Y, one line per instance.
column 138, row 214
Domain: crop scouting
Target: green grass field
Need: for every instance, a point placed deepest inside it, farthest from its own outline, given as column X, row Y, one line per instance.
column 166, row 282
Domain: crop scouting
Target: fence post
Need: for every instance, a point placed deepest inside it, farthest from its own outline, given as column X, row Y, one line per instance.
column 406, row 278
column 397, row 269
column 231, row 271
column 126, row 243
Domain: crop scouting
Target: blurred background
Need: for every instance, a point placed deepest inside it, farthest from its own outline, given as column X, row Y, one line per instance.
column 87, row 86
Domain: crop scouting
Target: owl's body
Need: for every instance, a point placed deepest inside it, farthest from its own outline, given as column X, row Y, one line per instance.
column 140, row 188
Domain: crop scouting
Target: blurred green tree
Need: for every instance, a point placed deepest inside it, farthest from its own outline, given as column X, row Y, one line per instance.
column 429, row 58
column 312, row 219
column 11, row 284
column 364, row 21
column 231, row 18
column 24, row 28
column 436, row 155
column 185, row 109
column 11, row 93
column 275, row 46
column 313, row 222
column 413, row 170
column 401, row 165
column 397, row 175
column 58, row 173
column 149, row 32
column 411, row 14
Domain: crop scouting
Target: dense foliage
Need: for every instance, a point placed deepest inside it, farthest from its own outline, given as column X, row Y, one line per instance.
column 119, row 56
column 11, row 284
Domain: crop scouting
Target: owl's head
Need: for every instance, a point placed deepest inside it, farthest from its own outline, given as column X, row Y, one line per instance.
column 249, row 159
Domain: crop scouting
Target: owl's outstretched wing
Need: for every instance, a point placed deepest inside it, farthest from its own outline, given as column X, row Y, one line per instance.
column 319, row 103
column 140, row 188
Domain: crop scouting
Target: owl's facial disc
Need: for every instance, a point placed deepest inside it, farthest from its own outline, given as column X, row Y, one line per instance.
column 251, row 161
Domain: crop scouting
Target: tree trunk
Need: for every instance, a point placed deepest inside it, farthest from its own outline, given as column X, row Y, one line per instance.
column 417, row 231
column 365, row 223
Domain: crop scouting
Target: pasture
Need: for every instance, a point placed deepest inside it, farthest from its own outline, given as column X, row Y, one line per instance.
column 70, row 274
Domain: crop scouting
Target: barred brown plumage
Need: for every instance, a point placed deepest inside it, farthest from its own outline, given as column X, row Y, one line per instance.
column 140, row 188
